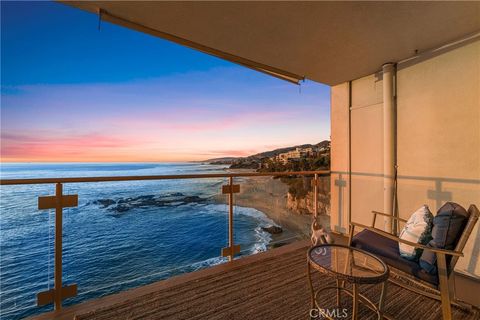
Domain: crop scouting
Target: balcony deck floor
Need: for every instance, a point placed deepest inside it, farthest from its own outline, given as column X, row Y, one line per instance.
column 270, row 285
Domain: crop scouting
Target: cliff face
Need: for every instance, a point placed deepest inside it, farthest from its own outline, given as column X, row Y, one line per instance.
column 292, row 211
column 306, row 204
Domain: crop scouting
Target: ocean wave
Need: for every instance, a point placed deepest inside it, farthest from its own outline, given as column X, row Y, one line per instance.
column 262, row 238
column 254, row 213
column 245, row 211
column 207, row 263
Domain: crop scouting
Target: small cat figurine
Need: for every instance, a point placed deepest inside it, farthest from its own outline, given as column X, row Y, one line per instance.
column 320, row 235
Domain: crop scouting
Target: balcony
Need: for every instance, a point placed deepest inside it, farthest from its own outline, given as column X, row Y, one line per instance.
column 269, row 285
column 89, row 242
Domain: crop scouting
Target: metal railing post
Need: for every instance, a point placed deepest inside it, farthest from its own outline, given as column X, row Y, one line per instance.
column 230, row 218
column 57, row 202
column 232, row 249
column 58, row 245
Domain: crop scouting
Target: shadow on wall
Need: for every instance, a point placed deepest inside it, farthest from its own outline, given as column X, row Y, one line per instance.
column 435, row 193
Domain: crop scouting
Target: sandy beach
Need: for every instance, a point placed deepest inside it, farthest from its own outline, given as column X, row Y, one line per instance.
column 270, row 196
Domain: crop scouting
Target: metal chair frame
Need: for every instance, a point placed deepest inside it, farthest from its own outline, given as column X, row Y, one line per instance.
column 445, row 291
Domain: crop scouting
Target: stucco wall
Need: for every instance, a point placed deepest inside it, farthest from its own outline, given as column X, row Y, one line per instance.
column 438, row 141
column 339, row 158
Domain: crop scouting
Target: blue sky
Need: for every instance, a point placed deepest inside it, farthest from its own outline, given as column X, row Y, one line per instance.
column 73, row 93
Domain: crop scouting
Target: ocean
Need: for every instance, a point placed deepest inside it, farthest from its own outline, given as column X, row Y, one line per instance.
column 121, row 235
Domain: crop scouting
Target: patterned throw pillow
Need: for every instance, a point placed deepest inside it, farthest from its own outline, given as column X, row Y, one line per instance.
column 418, row 229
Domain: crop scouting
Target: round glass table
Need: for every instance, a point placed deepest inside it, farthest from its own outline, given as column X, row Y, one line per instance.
column 347, row 265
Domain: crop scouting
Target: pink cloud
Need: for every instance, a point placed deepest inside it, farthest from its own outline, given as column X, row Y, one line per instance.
column 91, row 140
column 39, row 146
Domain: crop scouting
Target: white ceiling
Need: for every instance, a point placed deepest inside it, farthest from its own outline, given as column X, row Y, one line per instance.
column 329, row 42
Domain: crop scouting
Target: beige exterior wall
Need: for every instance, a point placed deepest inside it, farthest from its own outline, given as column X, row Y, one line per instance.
column 367, row 148
column 339, row 153
column 438, row 141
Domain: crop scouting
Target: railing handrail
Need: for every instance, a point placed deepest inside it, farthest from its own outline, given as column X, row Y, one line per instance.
column 158, row 177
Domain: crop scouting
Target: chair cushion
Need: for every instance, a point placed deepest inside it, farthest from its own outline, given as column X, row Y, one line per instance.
column 448, row 226
column 418, row 229
column 387, row 250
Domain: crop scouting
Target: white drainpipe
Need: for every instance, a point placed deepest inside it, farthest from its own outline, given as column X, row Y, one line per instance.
column 388, row 141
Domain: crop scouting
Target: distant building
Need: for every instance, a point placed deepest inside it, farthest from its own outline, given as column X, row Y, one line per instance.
column 296, row 154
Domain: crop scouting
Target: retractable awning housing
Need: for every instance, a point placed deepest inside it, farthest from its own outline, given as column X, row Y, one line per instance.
column 328, row 42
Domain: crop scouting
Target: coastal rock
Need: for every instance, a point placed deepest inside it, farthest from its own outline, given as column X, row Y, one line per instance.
column 105, row 202
column 176, row 194
column 190, row 199
column 145, row 201
column 273, row 229
column 121, row 208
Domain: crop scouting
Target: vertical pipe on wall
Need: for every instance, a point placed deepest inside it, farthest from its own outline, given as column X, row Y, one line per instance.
column 388, row 142
column 395, row 225
column 350, row 103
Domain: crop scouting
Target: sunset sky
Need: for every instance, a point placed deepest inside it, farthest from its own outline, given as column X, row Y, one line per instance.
column 73, row 93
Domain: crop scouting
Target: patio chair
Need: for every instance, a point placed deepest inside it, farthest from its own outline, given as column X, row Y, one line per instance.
column 408, row 274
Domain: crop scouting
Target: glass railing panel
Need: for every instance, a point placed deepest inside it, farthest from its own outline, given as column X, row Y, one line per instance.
column 128, row 234
column 26, row 250
column 273, row 211
column 323, row 217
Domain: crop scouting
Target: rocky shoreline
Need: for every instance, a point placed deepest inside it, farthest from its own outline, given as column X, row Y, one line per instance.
column 271, row 197
column 292, row 215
